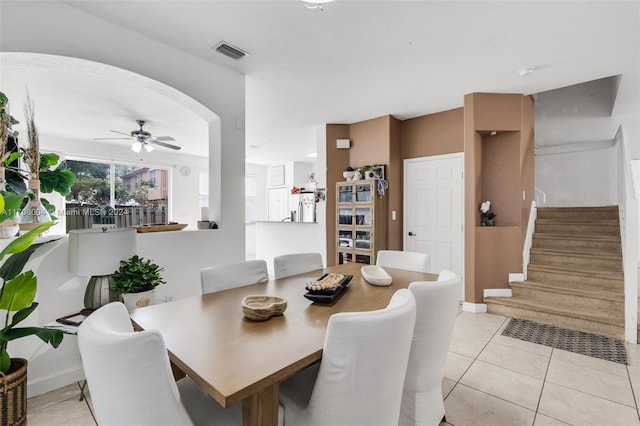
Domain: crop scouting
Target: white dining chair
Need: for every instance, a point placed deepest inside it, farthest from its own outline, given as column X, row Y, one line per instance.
column 232, row 275
column 130, row 379
column 296, row 263
column 408, row 260
column 437, row 307
column 360, row 377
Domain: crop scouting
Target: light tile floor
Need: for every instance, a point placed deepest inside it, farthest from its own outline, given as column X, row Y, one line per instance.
column 490, row 380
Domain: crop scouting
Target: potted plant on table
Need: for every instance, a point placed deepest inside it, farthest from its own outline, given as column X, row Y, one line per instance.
column 17, row 296
column 136, row 280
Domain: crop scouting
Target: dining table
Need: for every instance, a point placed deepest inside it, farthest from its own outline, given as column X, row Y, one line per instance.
column 235, row 359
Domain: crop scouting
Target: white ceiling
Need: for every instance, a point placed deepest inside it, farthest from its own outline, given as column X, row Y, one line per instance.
column 357, row 60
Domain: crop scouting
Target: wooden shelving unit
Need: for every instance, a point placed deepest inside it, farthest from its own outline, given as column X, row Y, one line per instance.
column 361, row 222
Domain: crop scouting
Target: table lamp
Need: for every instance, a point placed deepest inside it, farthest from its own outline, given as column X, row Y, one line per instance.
column 97, row 253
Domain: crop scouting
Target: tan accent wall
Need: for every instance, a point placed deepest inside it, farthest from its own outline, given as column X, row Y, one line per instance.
column 497, row 111
column 498, row 251
column 395, row 177
column 433, row 134
column 497, row 168
column 337, row 161
column 369, row 142
column 472, row 192
column 500, row 177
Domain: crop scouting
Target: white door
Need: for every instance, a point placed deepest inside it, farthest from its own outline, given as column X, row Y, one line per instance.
column 278, row 204
column 433, row 210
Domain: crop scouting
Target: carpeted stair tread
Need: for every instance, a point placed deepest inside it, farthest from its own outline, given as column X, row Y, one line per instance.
column 602, row 254
column 587, row 221
column 612, row 238
column 577, row 227
column 576, row 312
column 617, row 296
column 607, row 212
column 577, row 272
column 578, row 242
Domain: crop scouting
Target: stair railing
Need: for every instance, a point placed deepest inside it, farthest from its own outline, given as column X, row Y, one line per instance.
column 528, row 239
column 540, row 197
column 628, row 211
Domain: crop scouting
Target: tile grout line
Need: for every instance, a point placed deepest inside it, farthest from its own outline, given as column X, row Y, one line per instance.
column 498, row 397
column 471, row 363
column 633, row 393
column 544, row 382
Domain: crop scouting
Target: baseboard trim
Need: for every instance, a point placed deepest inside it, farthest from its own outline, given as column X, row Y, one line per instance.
column 516, row 277
column 476, row 308
column 58, row 381
column 497, row 292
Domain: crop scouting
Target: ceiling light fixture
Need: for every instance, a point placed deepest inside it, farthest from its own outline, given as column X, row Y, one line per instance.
column 316, row 4
column 523, row 72
column 137, row 147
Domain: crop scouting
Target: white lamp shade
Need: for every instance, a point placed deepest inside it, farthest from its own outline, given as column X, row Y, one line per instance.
column 96, row 252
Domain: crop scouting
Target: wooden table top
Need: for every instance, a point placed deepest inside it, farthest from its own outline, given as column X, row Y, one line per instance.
column 232, row 357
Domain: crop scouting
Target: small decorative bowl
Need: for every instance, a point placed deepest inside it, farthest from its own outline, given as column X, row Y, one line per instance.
column 261, row 308
column 348, row 175
column 375, row 275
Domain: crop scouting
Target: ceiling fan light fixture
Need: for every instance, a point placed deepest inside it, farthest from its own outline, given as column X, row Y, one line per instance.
column 148, row 147
column 136, row 147
column 316, row 4
column 523, row 72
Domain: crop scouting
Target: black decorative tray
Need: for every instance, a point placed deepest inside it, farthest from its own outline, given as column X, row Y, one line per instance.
column 328, row 295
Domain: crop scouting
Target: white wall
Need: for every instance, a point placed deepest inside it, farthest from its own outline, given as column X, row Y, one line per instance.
column 52, row 27
column 581, row 178
column 277, row 238
column 260, row 171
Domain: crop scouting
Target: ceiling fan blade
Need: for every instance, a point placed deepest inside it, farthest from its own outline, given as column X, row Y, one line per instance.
column 110, row 139
column 163, row 138
column 122, row 133
column 166, row 145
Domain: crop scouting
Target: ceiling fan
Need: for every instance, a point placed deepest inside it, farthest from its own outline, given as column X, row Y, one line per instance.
column 142, row 138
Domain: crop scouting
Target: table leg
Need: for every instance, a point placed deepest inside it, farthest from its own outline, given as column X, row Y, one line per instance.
column 261, row 408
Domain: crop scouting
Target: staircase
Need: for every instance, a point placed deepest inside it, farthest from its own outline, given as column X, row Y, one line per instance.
column 575, row 278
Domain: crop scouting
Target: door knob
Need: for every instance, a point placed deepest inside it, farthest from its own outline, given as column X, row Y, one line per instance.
column 411, row 234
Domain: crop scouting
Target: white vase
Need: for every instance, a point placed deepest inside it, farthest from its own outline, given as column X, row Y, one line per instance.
column 34, row 213
column 139, row 300
column 9, row 227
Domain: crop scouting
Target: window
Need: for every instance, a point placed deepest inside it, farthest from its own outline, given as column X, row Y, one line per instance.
column 203, row 188
column 116, row 195
column 250, row 195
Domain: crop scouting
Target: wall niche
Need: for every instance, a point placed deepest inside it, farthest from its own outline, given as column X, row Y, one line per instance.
column 500, row 176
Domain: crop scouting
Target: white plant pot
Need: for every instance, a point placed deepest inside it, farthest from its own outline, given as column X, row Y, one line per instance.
column 139, row 300
column 9, row 228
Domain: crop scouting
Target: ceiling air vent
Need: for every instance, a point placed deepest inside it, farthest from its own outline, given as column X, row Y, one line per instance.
column 230, row 51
